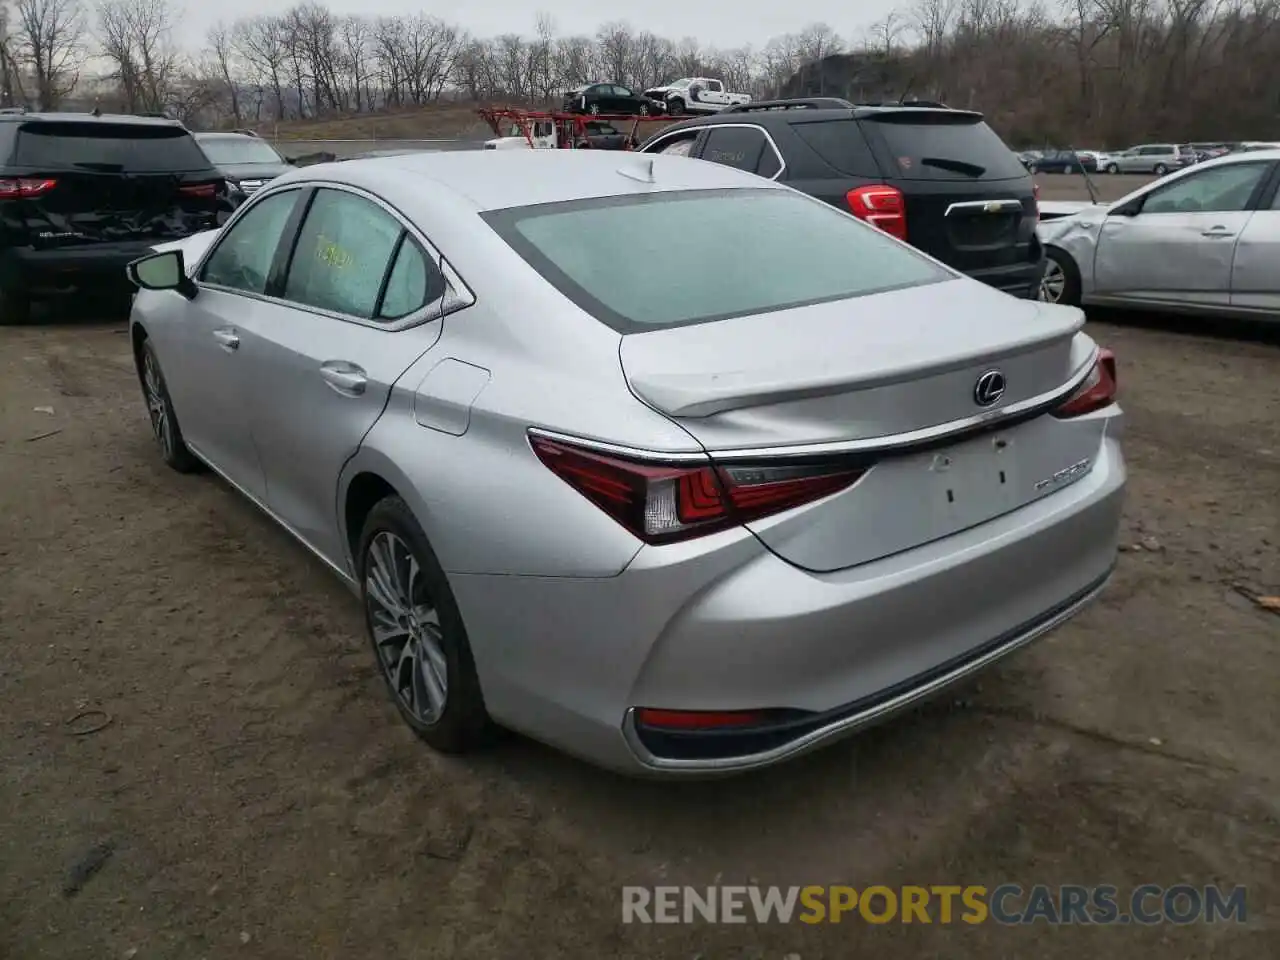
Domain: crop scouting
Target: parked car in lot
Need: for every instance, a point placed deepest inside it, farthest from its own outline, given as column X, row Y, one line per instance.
column 83, row 194
column 1202, row 240
column 611, row 98
column 695, row 526
column 1157, row 158
column 245, row 162
column 1064, row 161
column 696, row 95
column 940, row 179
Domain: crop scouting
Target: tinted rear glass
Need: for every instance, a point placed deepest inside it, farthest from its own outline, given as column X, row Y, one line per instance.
column 238, row 150
column 841, row 144
column 132, row 148
column 944, row 149
column 788, row 250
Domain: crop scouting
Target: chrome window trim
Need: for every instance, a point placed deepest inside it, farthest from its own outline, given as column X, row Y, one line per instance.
column 889, row 443
column 709, row 127
column 457, row 296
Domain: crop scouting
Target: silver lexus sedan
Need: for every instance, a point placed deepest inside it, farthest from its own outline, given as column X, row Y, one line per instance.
column 675, row 468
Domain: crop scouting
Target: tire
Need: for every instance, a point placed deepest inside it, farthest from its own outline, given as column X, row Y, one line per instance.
column 1060, row 266
column 675, row 106
column 1160, row 170
column 164, row 421
column 430, row 632
column 644, row 109
column 15, row 307
column 594, row 109
column 1112, row 168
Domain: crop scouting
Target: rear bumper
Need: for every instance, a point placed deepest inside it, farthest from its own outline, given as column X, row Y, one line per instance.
column 1021, row 280
column 734, row 627
column 99, row 264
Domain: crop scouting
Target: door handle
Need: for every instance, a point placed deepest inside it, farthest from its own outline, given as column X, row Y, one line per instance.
column 1218, row 232
column 227, row 338
column 345, row 378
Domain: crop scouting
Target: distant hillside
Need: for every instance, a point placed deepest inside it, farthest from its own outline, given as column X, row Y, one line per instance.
column 855, row 76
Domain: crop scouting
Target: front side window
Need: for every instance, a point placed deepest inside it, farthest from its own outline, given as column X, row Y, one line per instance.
column 678, row 148
column 788, row 250
column 344, row 249
column 1217, row 190
column 242, row 259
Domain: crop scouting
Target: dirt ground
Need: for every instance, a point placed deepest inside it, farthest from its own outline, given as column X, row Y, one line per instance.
column 253, row 794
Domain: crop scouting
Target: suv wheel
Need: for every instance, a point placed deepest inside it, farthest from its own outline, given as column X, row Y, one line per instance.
column 1161, row 170
column 15, row 307
column 1060, row 282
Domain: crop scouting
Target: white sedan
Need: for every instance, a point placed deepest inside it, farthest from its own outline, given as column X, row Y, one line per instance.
column 1203, row 239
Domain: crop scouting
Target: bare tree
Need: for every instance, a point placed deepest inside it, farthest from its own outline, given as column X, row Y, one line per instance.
column 135, row 38
column 48, row 38
column 222, row 54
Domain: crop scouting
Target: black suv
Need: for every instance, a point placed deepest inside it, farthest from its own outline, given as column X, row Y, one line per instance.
column 83, row 194
column 941, row 179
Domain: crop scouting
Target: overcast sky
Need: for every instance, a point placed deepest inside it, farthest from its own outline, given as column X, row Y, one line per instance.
column 713, row 24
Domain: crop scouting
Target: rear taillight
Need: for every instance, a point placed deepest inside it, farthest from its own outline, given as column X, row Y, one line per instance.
column 881, row 206
column 661, row 503
column 199, row 190
column 34, row 187
column 1097, row 391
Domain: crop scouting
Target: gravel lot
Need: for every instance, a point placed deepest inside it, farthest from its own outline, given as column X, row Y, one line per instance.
column 259, row 797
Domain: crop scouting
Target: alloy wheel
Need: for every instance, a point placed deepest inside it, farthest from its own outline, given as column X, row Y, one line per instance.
column 406, row 628
column 1052, row 282
column 153, row 387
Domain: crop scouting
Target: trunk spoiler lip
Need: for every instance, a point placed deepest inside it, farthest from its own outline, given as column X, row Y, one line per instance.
column 889, row 444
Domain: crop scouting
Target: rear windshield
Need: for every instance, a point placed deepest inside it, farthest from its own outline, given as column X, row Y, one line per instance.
column 129, row 148
column 238, row 150
column 947, row 150
column 649, row 261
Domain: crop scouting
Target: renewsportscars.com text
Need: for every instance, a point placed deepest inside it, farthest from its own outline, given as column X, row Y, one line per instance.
column 1008, row 903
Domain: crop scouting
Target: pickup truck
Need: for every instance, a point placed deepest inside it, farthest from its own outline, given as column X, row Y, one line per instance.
column 696, row 95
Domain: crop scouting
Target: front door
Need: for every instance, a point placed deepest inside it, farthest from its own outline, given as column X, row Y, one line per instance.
column 1180, row 244
column 210, row 387
column 362, row 304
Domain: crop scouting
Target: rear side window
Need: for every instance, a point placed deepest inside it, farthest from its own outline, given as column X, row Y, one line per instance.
column 801, row 251
column 841, row 144
column 738, row 147
column 940, row 148
column 343, row 252
column 128, row 148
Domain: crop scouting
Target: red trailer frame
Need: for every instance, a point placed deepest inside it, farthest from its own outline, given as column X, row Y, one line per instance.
column 571, row 128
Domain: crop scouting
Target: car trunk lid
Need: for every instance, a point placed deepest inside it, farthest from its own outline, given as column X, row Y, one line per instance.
column 836, row 381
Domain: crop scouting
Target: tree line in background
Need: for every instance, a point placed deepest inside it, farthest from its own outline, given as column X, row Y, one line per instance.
column 1082, row 72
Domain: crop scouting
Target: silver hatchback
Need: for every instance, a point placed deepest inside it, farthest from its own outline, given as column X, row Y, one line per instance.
column 669, row 519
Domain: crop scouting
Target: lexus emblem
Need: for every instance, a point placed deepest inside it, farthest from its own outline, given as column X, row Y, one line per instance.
column 989, row 388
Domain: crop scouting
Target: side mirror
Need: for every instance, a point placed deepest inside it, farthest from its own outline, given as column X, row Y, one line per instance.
column 291, row 161
column 162, row 271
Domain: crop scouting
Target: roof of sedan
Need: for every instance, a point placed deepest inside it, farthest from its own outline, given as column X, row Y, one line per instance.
column 495, row 179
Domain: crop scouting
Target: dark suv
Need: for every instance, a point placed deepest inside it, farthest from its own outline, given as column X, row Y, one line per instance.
column 941, row 179
column 83, row 194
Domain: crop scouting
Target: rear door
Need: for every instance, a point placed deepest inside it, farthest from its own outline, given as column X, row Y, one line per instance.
column 113, row 182
column 969, row 202
column 353, row 313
